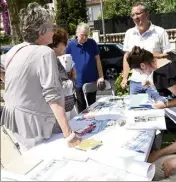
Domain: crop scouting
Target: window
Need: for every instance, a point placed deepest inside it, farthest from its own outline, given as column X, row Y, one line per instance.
column 109, row 51
column 89, row 13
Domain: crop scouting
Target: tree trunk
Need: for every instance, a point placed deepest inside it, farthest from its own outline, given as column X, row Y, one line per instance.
column 14, row 21
column 55, row 5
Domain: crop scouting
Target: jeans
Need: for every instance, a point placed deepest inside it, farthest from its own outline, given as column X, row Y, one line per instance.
column 137, row 88
column 81, row 102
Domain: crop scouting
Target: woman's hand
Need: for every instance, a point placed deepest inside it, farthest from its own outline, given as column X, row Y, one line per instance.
column 159, row 105
column 75, row 141
column 147, row 83
column 169, row 166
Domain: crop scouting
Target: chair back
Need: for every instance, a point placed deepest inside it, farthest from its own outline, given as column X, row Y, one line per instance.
column 90, row 87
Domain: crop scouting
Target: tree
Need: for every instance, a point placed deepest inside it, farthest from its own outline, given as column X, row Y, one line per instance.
column 62, row 13
column 14, row 21
column 165, row 6
column 113, row 8
column 71, row 12
column 5, row 16
column 14, row 7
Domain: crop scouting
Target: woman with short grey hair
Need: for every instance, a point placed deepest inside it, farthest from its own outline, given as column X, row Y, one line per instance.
column 33, row 93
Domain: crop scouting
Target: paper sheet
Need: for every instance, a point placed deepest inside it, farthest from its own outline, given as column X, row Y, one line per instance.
column 138, row 168
column 139, row 99
column 146, row 119
column 80, row 171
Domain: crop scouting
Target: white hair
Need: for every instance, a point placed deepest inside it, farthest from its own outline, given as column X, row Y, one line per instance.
column 82, row 26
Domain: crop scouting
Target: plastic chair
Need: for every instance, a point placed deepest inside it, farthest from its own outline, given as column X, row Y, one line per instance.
column 109, row 87
column 92, row 87
column 89, row 88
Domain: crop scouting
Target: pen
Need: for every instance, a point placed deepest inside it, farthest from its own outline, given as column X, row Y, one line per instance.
column 140, row 151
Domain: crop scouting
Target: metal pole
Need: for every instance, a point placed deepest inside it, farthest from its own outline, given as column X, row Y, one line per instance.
column 103, row 25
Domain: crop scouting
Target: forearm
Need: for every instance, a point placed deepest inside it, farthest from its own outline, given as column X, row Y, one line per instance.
column 59, row 113
column 126, row 68
column 73, row 73
column 99, row 66
column 171, row 103
column 171, row 149
column 160, row 55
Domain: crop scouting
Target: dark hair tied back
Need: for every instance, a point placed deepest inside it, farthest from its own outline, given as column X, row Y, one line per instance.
column 138, row 56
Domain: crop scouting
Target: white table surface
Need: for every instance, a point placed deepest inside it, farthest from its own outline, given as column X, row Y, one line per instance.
column 113, row 141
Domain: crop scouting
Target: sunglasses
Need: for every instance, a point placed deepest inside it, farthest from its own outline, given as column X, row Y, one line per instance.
column 137, row 14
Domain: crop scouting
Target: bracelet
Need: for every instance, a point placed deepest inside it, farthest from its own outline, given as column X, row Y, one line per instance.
column 70, row 137
column 167, row 104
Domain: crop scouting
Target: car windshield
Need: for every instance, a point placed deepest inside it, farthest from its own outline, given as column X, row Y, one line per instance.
column 120, row 45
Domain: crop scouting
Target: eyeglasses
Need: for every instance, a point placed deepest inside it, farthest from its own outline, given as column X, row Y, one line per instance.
column 137, row 14
column 84, row 35
column 52, row 28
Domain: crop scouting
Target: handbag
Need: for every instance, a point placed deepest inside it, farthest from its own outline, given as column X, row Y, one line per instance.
column 69, row 103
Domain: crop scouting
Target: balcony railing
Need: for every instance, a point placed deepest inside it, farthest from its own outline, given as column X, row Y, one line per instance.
column 119, row 37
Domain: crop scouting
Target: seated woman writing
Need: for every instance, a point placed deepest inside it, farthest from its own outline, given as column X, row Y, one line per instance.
column 163, row 78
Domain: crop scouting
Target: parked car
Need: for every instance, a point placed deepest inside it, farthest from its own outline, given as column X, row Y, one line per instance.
column 111, row 55
column 4, row 49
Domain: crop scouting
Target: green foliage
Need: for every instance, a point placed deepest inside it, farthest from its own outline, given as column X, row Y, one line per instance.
column 113, row 8
column 117, row 85
column 62, row 13
column 5, row 39
column 166, row 6
column 70, row 13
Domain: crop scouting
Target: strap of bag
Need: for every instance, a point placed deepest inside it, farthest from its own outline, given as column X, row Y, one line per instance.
column 14, row 56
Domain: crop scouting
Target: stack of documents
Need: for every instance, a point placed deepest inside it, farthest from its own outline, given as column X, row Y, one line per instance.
column 146, row 119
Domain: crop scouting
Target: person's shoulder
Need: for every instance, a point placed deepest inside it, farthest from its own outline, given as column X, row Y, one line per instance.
column 159, row 29
column 130, row 30
column 71, row 42
column 91, row 41
column 44, row 49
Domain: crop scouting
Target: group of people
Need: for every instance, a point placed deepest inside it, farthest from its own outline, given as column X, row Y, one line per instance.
column 38, row 89
column 37, row 84
column 147, row 54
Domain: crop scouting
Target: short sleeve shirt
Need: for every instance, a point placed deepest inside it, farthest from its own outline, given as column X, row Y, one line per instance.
column 84, row 58
column 155, row 39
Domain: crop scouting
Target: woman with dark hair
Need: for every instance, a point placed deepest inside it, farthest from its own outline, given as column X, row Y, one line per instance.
column 33, row 96
column 60, row 39
column 164, row 78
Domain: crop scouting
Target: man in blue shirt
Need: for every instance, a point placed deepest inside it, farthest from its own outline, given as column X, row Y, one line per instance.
column 85, row 54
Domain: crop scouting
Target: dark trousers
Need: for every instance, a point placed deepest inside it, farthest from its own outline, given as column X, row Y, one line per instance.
column 81, row 103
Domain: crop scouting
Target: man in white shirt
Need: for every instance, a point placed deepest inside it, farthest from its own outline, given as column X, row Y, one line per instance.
column 150, row 37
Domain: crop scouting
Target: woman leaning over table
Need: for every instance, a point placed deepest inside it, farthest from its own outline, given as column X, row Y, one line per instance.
column 33, row 93
column 163, row 78
column 60, row 39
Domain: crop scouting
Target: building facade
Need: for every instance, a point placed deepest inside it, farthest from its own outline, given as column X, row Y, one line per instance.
column 93, row 10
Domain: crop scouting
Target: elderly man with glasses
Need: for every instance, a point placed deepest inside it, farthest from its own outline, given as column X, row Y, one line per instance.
column 85, row 54
column 150, row 37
